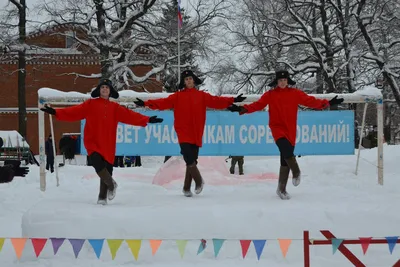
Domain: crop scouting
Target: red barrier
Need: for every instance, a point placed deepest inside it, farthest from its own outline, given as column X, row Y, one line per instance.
column 342, row 248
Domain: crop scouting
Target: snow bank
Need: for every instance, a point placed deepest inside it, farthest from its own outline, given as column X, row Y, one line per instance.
column 368, row 93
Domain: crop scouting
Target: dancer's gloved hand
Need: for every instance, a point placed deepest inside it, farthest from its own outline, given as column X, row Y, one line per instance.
column 139, row 102
column 154, row 119
column 239, row 98
column 49, row 110
column 235, row 108
column 335, row 101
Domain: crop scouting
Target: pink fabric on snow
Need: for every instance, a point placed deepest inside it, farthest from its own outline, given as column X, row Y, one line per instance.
column 213, row 170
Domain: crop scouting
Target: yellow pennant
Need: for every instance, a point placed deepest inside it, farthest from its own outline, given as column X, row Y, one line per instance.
column 134, row 245
column 181, row 246
column 2, row 243
column 114, row 245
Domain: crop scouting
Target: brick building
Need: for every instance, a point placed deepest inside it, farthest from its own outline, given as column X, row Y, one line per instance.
column 54, row 64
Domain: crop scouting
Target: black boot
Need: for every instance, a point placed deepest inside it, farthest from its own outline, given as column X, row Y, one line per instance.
column 106, row 177
column 195, row 173
column 283, row 179
column 187, row 184
column 294, row 167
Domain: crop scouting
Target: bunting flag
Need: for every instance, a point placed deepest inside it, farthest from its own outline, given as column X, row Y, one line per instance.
column 335, row 244
column 181, row 246
column 217, row 245
column 202, row 246
column 97, row 245
column 259, row 246
column 134, row 246
column 154, row 244
column 114, row 245
column 180, row 22
column 284, row 244
column 391, row 240
column 245, row 244
column 1, row 243
column 365, row 241
column 76, row 245
column 18, row 244
column 56, row 242
column 38, row 245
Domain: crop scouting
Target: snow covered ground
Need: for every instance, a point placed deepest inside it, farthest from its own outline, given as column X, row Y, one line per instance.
column 231, row 208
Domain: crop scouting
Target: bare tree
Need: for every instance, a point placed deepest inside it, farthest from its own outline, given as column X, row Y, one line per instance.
column 14, row 41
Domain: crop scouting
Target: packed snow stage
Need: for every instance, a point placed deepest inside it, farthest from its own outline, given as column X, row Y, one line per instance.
column 150, row 207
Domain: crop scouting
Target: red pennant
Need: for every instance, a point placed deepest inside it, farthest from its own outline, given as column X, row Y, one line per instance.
column 245, row 244
column 365, row 241
column 38, row 245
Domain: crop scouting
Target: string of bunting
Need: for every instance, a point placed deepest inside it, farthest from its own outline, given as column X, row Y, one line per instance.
column 136, row 244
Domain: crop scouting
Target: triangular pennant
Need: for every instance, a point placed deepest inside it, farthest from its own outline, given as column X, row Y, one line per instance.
column 76, row 245
column 56, row 242
column 391, row 240
column 217, row 245
column 284, row 244
column 2, row 243
column 134, row 245
column 181, row 246
column 97, row 245
column 38, row 245
column 18, row 244
column 312, row 241
column 335, row 244
column 114, row 245
column 154, row 244
column 259, row 246
column 365, row 241
column 202, row 246
column 245, row 244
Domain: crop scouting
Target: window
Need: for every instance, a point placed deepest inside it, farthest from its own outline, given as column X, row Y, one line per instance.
column 69, row 39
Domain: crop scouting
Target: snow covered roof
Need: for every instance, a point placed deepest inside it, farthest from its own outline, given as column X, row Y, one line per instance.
column 12, row 139
column 48, row 95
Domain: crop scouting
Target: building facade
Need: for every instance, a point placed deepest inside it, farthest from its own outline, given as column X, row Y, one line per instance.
column 56, row 63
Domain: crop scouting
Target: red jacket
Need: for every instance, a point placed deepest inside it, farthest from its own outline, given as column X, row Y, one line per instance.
column 190, row 107
column 102, row 117
column 282, row 107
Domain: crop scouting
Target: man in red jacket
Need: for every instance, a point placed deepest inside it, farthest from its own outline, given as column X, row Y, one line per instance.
column 283, row 104
column 100, row 133
column 190, row 105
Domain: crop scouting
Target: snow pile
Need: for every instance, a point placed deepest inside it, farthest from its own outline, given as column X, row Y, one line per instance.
column 330, row 197
column 13, row 139
column 371, row 91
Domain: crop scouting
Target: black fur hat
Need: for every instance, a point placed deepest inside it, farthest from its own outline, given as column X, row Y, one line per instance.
column 113, row 92
column 188, row 73
column 281, row 74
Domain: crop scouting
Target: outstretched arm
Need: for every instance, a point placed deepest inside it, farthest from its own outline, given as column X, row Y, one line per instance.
column 310, row 101
column 258, row 105
column 160, row 104
column 128, row 116
column 217, row 102
column 75, row 113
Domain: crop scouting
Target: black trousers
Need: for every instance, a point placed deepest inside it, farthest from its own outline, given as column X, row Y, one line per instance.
column 190, row 153
column 98, row 162
column 50, row 163
column 286, row 149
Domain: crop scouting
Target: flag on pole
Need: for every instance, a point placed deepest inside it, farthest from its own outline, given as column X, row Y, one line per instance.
column 179, row 14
